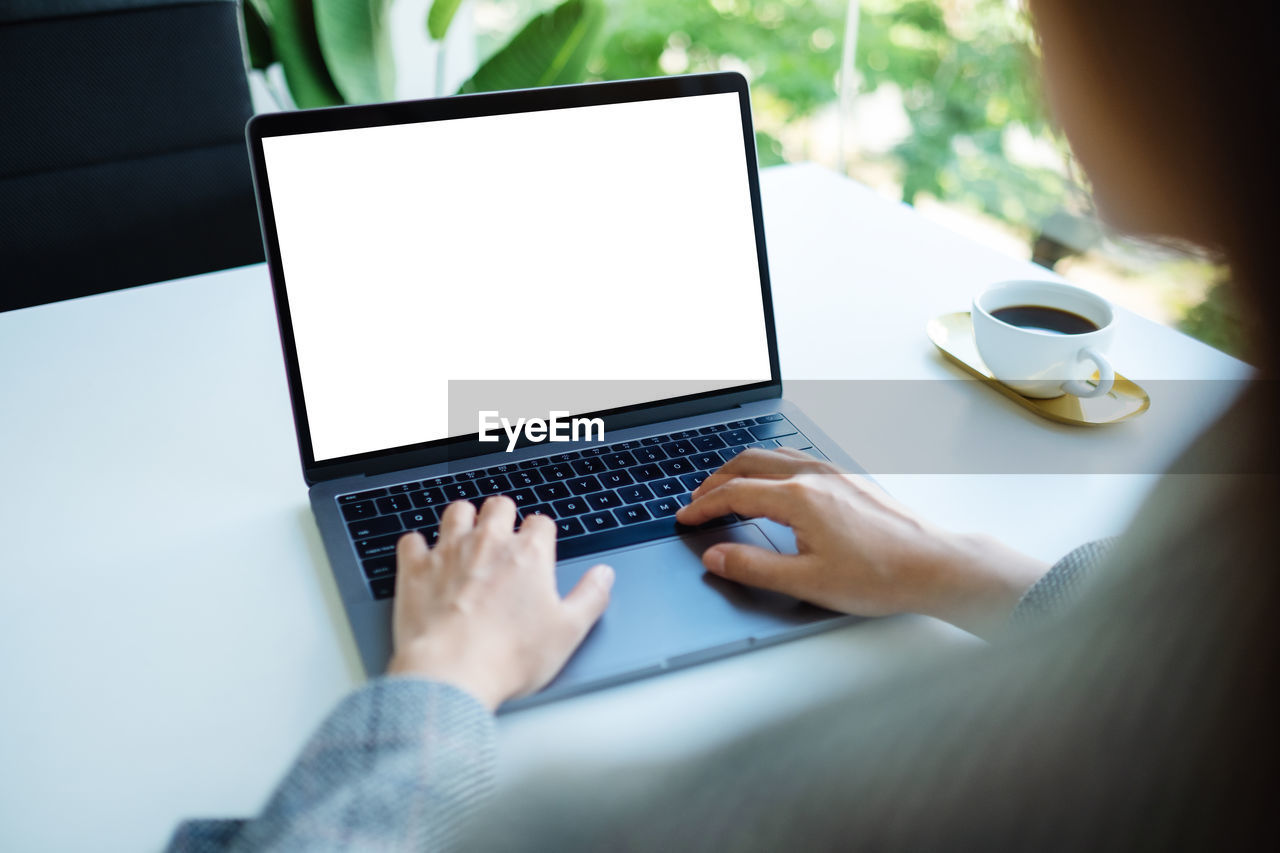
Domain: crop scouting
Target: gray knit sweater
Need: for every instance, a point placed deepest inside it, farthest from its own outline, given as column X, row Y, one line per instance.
column 402, row 764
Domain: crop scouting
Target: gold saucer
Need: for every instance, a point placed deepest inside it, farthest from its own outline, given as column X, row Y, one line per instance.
column 953, row 334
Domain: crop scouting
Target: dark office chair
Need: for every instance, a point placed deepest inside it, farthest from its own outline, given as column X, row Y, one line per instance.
column 122, row 155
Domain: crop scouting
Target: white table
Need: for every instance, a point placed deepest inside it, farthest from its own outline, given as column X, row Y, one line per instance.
column 170, row 631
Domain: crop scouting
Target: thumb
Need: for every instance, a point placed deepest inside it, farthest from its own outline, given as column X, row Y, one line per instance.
column 751, row 565
column 588, row 599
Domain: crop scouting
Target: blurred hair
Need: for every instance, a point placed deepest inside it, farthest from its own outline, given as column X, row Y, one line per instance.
column 1196, row 82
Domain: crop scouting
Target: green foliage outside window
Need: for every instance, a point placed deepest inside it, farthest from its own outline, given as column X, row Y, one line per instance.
column 335, row 52
column 1218, row 321
column 965, row 68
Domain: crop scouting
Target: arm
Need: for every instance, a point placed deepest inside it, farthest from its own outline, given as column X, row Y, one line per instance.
column 398, row 765
column 1062, row 585
column 403, row 762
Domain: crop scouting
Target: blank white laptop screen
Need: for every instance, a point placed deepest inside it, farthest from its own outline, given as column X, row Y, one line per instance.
column 607, row 242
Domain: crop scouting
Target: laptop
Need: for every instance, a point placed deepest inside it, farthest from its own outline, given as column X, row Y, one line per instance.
column 561, row 295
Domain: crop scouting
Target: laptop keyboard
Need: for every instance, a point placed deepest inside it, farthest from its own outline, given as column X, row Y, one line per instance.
column 600, row 498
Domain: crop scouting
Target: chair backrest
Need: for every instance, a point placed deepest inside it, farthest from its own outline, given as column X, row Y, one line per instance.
column 122, row 154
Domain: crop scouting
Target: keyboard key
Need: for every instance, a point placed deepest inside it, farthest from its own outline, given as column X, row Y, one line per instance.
column 692, row 481
column 381, row 567
column 523, row 497
column 676, row 467
column 427, row 497
column 598, row 450
column 617, row 537
column 616, row 461
column 459, row 492
column 521, row 479
column 816, row 454
column 632, row 514
column 683, row 498
column 531, row 463
column 377, row 546
column 599, row 521
column 361, row 496
column 467, row 475
column 493, row 485
column 647, row 472
column 667, row 488
column 708, row 442
column 662, row 507
column 707, row 430
column 570, row 506
column 798, row 441
column 367, row 527
column 772, row 430
column 584, row 485
column 635, row 494
column 418, row 518
column 768, row 419
column 394, row 503
column 614, row 479
column 676, row 449
column 730, row 452
column 566, row 457
column 499, row 469
column 587, row 465
column 604, row 500
column 740, row 424
column 684, row 433
column 737, row 436
column 383, row 587
column 655, row 439
column 551, row 491
column 708, row 461
column 538, row 509
column 770, row 444
column 436, row 482
column 403, row 487
column 567, row 527
column 361, row 509
column 623, row 445
column 649, row 453
column 432, row 534
column 557, row 472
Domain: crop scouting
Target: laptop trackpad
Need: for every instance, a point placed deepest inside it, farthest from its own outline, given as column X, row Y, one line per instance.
column 667, row 610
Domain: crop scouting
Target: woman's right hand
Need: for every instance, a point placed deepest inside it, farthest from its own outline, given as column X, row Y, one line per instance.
column 860, row 551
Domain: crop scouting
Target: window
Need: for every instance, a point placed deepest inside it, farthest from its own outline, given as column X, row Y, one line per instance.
column 935, row 102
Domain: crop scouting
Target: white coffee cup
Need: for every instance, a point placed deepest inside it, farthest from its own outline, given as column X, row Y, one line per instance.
column 1039, row 359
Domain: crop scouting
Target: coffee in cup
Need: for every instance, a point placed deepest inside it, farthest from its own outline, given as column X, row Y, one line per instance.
column 1044, row 339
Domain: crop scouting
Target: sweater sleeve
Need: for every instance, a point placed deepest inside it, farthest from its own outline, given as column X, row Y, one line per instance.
column 1062, row 585
column 398, row 765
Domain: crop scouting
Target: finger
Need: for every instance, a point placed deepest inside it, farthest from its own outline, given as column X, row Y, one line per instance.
column 539, row 528
column 411, row 549
column 774, row 499
column 458, row 518
column 587, row 600
column 754, row 462
column 411, row 557
column 752, row 565
column 498, row 514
